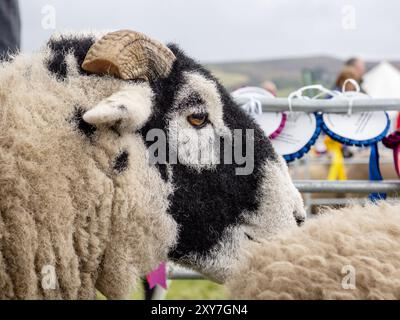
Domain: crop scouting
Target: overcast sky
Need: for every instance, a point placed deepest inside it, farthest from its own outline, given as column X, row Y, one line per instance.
column 228, row 30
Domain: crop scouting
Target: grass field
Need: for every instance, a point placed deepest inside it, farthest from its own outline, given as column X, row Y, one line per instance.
column 196, row 289
column 187, row 290
column 230, row 79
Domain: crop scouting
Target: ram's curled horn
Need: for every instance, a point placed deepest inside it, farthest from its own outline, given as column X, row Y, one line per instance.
column 129, row 55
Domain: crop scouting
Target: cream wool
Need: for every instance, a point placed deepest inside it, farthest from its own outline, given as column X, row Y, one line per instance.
column 62, row 202
column 311, row 262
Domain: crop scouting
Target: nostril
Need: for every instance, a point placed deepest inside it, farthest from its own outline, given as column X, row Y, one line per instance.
column 299, row 220
column 249, row 237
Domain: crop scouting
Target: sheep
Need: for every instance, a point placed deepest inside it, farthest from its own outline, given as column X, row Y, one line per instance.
column 90, row 198
column 350, row 253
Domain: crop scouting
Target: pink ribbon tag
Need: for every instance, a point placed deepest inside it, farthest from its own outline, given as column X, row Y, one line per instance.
column 396, row 152
column 393, row 142
column 158, row 276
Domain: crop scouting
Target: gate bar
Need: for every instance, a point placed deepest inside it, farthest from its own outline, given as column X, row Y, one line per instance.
column 325, row 105
column 355, row 186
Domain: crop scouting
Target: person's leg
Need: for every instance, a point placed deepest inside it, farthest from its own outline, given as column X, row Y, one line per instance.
column 148, row 293
column 10, row 27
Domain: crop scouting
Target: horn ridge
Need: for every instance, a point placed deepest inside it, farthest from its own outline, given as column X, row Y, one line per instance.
column 129, row 55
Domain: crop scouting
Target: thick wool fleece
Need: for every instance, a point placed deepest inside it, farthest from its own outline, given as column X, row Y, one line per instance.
column 313, row 262
column 64, row 201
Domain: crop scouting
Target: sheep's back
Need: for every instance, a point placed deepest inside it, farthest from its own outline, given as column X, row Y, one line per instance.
column 317, row 261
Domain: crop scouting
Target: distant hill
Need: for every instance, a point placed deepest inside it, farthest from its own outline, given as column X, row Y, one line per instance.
column 288, row 74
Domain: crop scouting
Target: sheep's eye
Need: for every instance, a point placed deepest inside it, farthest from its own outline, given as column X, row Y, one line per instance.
column 198, row 120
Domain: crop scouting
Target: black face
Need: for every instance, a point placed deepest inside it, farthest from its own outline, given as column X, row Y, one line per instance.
column 206, row 203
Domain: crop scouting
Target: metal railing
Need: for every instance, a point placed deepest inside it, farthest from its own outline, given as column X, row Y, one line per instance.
column 325, row 105
column 353, row 186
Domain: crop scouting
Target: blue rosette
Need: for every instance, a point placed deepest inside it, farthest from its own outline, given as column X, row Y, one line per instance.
column 298, row 150
column 357, row 143
column 364, row 129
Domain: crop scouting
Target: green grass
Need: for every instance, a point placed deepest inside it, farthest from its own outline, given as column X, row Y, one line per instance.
column 230, row 80
column 186, row 290
column 284, row 93
column 196, row 289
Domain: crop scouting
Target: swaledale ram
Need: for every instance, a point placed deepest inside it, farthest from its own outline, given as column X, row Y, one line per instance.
column 80, row 195
column 348, row 253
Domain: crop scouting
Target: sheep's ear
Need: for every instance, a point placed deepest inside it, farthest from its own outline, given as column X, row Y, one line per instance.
column 129, row 108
